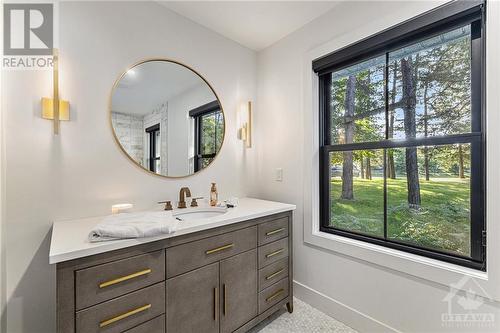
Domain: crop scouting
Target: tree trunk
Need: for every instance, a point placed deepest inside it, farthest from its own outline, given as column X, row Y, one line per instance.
column 426, row 149
column 362, row 167
column 368, row 169
column 347, row 166
column 461, row 173
column 409, row 102
column 391, row 169
column 426, row 163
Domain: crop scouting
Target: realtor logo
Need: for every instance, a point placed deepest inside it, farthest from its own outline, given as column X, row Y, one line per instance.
column 28, row 29
column 466, row 309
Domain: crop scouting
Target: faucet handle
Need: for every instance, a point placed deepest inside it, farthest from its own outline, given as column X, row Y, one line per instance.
column 193, row 201
column 168, row 204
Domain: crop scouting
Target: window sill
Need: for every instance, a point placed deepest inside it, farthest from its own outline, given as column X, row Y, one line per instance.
column 407, row 263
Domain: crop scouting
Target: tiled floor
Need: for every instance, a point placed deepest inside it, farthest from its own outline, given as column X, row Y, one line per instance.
column 304, row 319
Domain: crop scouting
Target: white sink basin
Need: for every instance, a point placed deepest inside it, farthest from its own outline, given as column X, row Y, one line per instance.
column 190, row 214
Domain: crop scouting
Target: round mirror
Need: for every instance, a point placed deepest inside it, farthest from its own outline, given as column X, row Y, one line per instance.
column 167, row 118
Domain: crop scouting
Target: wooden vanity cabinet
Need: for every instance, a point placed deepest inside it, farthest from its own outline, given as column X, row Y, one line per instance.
column 238, row 282
column 225, row 279
column 193, row 301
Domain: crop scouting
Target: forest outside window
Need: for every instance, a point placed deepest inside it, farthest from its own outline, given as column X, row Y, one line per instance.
column 401, row 156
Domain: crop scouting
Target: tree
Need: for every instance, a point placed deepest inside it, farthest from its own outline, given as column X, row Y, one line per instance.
column 409, row 103
column 368, row 168
column 461, row 173
column 362, row 167
column 426, row 115
column 446, row 98
column 391, row 170
column 347, row 165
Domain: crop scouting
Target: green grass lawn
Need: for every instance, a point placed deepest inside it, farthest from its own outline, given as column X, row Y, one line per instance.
column 441, row 223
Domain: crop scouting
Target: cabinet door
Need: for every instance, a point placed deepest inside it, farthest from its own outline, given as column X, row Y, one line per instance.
column 238, row 280
column 193, row 301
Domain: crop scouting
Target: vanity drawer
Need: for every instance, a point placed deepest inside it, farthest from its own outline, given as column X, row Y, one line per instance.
column 186, row 257
column 124, row 312
column 156, row 325
column 273, row 294
column 103, row 282
column 273, row 252
column 273, row 230
column 273, row 273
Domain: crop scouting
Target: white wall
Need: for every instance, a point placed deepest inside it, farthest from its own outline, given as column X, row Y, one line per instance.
column 366, row 296
column 82, row 172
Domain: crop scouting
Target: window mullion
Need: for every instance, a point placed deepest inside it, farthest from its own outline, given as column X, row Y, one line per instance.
column 386, row 144
column 386, row 93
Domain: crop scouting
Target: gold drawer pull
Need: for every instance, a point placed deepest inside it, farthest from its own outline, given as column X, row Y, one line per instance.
column 272, row 254
column 274, row 231
column 274, row 274
column 225, row 247
column 124, row 278
column 276, row 294
column 123, row 316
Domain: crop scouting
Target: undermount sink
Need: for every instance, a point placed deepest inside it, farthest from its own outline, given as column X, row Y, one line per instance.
column 190, row 214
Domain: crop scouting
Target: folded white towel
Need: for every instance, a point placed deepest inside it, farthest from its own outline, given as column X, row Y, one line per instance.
column 133, row 225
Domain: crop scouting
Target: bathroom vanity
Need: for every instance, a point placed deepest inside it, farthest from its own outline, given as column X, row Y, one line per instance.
column 223, row 274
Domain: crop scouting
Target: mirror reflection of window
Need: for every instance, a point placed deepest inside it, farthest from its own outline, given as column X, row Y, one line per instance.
column 209, row 133
column 154, row 144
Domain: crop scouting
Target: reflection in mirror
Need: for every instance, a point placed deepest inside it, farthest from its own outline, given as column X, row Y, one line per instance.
column 166, row 118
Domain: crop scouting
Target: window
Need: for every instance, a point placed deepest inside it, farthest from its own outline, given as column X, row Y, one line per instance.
column 402, row 137
column 209, row 133
column 154, row 148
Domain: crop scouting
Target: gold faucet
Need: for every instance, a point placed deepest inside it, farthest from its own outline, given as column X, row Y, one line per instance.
column 184, row 192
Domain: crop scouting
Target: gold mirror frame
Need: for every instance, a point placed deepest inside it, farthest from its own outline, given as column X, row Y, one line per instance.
column 117, row 141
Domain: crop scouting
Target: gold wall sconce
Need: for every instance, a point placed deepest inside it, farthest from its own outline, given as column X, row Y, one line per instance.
column 54, row 108
column 245, row 123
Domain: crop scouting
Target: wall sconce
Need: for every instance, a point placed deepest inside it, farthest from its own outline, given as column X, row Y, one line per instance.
column 54, row 108
column 245, row 123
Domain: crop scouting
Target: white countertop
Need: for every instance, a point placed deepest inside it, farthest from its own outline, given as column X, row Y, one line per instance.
column 70, row 238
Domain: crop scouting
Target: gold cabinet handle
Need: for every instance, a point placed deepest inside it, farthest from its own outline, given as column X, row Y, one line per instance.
column 224, row 306
column 124, row 278
column 124, row 315
column 272, row 254
column 216, row 303
column 218, row 249
column 276, row 294
column 274, row 274
column 274, row 231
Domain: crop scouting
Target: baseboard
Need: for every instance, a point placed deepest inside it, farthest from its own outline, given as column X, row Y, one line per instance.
column 341, row 312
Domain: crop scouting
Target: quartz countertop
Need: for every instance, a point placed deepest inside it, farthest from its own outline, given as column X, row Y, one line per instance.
column 70, row 238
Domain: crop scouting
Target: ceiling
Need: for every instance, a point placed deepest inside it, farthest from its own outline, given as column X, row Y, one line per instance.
column 146, row 86
column 254, row 24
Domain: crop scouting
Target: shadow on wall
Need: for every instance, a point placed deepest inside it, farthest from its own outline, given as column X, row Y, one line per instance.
column 32, row 305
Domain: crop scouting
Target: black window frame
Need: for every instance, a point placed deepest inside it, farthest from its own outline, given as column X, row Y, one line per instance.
column 442, row 19
column 197, row 114
column 152, row 130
